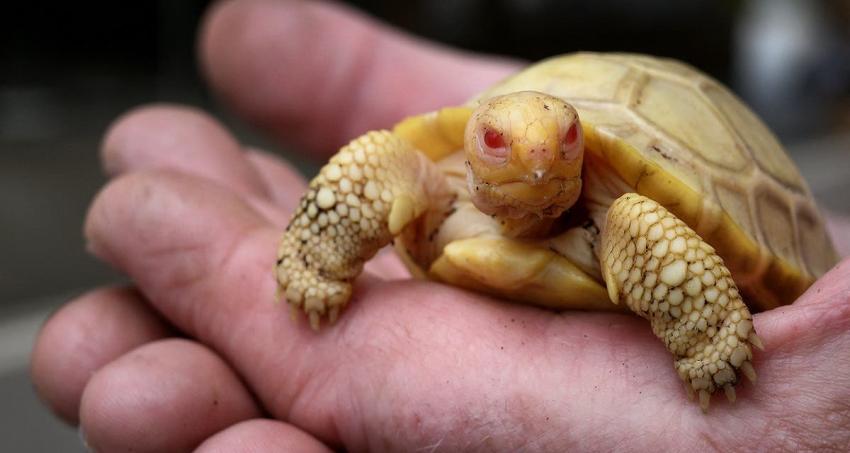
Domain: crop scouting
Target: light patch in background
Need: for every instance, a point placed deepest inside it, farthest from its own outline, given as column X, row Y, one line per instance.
column 17, row 336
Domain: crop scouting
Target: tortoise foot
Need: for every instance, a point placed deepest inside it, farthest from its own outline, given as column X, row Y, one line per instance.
column 717, row 366
column 665, row 272
column 311, row 293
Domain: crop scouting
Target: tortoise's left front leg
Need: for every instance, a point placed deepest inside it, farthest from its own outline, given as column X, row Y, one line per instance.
column 666, row 273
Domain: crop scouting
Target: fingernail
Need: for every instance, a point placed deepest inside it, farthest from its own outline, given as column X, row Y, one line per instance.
column 93, row 249
column 83, row 439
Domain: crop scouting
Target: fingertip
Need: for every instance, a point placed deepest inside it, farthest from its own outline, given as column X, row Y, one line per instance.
column 165, row 396
column 261, row 435
column 168, row 136
column 235, row 49
column 270, row 60
column 144, row 215
column 83, row 336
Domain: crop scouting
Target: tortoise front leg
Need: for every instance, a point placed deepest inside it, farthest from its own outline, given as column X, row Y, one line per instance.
column 368, row 192
column 666, row 273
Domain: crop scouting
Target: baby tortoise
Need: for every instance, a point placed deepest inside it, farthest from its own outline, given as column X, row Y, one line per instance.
column 582, row 180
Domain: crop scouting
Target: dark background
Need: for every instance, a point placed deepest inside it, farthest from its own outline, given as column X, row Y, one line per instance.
column 68, row 68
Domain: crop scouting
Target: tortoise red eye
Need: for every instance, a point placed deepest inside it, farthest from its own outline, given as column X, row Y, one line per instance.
column 494, row 139
column 572, row 135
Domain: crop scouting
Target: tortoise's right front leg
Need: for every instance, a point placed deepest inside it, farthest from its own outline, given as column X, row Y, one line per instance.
column 665, row 272
column 368, row 192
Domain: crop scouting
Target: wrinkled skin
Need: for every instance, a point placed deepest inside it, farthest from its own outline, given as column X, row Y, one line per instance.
column 193, row 218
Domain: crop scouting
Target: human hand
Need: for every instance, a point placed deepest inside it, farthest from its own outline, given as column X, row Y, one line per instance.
column 199, row 353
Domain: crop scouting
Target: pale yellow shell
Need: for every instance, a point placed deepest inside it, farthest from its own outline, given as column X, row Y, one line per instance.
column 683, row 139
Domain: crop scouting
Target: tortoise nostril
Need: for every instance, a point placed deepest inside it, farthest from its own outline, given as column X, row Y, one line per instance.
column 538, row 153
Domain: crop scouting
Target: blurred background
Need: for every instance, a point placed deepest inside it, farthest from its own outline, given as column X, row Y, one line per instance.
column 68, row 69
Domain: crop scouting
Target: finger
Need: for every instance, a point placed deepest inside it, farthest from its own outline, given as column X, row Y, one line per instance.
column 190, row 141
column 317, row 73
column 178, row 138
column 175, row 235
column 83, row 336
column 261, row 435
column 145, row 220
column 164, row 396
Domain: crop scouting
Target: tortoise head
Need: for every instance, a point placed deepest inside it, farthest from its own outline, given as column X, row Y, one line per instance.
column 524, row 152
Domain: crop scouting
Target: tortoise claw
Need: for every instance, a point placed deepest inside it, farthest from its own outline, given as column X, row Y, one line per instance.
column 749, row 372
column 704, row 400
column 314, row 320
column 333, row 314
column 690, row 391
column 755, row 341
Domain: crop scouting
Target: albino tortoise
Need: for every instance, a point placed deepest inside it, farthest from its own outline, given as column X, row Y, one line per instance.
column 583, row 180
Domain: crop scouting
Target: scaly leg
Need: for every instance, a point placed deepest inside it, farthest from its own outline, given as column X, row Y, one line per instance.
column 666, row 273
column 368, row 192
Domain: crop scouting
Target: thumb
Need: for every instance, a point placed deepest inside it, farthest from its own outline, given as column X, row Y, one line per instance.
column 316, row 74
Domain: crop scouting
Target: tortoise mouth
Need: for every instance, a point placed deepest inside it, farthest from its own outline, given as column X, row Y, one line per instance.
column 538, row 194
column 514, row 199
